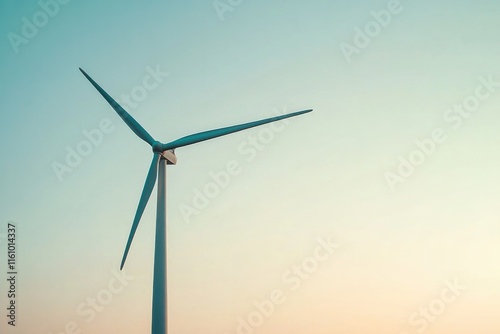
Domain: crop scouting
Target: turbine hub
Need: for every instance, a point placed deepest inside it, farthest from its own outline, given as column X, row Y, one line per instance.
column 157, row 147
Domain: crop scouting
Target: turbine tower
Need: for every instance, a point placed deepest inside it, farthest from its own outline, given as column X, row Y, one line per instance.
column 163, row 155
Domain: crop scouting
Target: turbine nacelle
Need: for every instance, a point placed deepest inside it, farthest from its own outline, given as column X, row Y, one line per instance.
column 169, row 155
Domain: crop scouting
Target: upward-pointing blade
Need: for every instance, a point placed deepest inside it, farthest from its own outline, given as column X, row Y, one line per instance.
column 146, row 193
column 202, row 136
column 131, row 122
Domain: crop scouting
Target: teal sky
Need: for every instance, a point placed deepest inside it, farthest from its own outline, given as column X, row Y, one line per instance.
column 323, row 176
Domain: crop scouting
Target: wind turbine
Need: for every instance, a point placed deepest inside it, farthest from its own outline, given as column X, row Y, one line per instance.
column 163, row 155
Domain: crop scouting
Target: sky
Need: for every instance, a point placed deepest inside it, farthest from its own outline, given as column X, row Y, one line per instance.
column 375, row 213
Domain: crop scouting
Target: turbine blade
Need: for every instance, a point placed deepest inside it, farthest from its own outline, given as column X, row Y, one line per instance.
column 146, row 193
column 202, row 136
column 131, row 122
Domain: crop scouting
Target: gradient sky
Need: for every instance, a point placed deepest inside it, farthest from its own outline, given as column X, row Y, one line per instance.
column 323, row 176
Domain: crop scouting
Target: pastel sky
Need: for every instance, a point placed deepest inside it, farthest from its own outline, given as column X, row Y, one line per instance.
column 398, row 165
